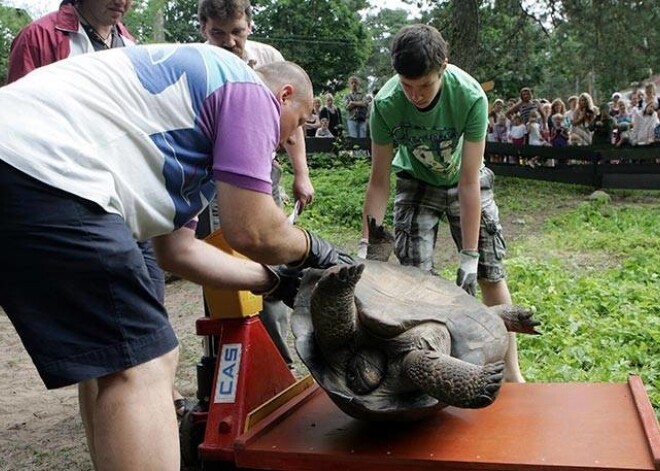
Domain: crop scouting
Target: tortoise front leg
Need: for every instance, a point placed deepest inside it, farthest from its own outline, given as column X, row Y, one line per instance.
column 452, row 381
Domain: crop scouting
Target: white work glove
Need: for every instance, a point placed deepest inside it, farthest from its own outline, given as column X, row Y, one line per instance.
column 362, row 248
column 466, row 277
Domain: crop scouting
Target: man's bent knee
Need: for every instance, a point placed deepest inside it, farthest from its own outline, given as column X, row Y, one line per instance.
column 159, row 369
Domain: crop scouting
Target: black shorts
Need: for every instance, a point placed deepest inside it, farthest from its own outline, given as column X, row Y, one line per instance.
column 75, row 285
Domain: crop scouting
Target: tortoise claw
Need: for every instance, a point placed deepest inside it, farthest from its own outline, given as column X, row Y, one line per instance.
column 493, row 375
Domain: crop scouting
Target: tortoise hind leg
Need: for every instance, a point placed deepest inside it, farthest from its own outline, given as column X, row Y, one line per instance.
column 333, row 309
column 453, row 381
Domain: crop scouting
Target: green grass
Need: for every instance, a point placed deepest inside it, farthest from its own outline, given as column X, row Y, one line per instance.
column 337, row 212
column 591, row 272
column 518, row 196
column 593, row 275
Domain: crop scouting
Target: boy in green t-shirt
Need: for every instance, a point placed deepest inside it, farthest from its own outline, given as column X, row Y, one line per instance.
column 435, row 114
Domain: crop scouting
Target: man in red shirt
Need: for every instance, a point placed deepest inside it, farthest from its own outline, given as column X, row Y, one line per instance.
column 78, row 27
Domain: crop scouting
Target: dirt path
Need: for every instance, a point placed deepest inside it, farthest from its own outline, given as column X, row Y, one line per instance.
column 40, row 430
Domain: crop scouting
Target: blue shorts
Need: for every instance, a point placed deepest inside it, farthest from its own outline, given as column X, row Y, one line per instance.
column 75, row 284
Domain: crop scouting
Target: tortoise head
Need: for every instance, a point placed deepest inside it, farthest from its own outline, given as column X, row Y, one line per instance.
column 365, row 370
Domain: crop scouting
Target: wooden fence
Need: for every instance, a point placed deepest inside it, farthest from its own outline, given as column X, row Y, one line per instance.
column 628, row 167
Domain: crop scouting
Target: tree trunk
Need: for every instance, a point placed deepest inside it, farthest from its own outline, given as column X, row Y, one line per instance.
column 159, row 26
column 464, row 40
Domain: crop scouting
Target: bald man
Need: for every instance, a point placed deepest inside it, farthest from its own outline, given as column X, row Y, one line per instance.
column 135, row 150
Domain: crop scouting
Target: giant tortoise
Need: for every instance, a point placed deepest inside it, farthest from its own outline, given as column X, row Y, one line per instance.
column 392, row 342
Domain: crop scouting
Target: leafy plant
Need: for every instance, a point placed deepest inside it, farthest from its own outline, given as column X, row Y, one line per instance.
column 11, row 22
column 337, row 210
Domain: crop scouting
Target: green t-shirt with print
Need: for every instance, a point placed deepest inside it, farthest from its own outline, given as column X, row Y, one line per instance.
column 430, row 143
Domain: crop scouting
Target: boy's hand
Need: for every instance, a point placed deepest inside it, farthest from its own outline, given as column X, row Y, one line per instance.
column 466, row 277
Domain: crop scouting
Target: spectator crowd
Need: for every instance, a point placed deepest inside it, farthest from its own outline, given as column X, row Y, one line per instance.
column 629, row 119
column 624, row 120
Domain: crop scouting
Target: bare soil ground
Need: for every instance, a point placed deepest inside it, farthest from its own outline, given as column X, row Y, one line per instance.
column 41, row 430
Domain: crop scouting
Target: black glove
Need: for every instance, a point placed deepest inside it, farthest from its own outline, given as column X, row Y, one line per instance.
column 322, row 254
column 286, row 283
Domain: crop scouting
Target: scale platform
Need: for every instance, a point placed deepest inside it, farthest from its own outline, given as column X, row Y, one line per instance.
column 532, row 426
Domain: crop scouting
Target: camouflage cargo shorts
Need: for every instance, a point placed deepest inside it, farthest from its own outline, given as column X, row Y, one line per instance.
column 418, row 208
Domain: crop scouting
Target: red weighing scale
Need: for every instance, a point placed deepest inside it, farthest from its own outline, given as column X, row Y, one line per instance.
column 253, row 414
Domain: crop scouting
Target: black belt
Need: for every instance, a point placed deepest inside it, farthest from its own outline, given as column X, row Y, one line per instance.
column 409, row 176
column 405, row 175
column 484, row 184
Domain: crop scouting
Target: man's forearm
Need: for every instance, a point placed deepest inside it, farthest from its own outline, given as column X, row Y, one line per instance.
column 374, row 205
column 202, row 263
column 296, row 151
column 469, row 193
column 470, row 212
column 303, row 190
column 378, row 189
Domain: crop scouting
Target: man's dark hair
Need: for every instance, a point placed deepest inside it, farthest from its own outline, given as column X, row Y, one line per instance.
column 223, row 10
column 418, row 50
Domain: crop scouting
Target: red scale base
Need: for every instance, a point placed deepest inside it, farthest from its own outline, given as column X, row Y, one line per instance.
column 249, row 372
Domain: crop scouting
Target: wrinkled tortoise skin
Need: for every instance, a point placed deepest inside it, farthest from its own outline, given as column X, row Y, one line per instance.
column 391, row 342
